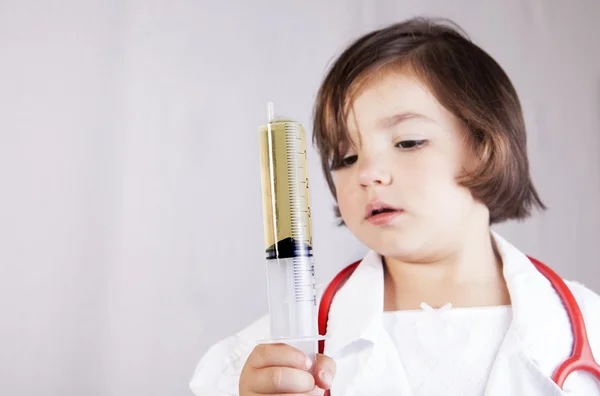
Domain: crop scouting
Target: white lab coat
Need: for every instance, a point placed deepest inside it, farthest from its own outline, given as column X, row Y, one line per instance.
column 538, row 340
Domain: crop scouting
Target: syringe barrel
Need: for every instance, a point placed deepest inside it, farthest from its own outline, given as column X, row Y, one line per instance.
column 292, row 305
column 287, row 234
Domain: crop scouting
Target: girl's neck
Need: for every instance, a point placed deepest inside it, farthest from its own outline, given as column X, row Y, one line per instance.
column 469, row 276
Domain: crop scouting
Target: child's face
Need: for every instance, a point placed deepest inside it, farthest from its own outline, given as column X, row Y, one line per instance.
column 408, row 152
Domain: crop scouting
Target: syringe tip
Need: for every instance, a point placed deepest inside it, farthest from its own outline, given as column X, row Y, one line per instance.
column 270, row 112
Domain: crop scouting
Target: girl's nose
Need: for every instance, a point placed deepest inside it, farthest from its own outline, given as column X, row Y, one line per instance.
column 373, row 172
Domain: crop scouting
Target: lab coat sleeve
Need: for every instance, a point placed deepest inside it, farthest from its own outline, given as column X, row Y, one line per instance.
column 218, row 371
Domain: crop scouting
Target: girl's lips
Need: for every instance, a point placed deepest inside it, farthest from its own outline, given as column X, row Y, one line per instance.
column 377, row 207
column 384, row 218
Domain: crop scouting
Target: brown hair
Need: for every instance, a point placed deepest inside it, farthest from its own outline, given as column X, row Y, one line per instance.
column 465, row 80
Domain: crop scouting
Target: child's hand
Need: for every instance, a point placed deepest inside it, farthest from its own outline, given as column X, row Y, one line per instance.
column 275, row 369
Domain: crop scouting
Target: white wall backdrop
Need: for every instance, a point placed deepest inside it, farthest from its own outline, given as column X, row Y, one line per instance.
column 130, row 215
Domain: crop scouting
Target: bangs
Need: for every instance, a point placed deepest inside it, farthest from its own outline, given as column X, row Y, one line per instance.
column 335, row 99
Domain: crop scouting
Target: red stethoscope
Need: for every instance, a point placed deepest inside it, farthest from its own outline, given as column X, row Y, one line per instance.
column 581, row 356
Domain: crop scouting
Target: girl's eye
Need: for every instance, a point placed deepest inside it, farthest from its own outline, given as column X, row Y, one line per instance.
column 347, row 161
column 411, row 144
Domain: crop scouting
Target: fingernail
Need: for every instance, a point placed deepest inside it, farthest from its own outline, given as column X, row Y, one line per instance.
column 308, row 363
column 327, row 377
column 317, row 391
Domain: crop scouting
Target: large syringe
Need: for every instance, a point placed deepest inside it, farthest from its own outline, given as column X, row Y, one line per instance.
column 288, row 238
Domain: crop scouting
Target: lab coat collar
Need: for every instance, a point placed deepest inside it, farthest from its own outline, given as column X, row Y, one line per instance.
column 537, row 309
column 538, row 338
column 357, row 309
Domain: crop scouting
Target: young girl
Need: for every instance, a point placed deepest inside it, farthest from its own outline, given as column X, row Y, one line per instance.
column 423, row 145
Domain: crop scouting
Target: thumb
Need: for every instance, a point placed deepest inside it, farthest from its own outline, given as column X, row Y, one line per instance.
column 324, row 373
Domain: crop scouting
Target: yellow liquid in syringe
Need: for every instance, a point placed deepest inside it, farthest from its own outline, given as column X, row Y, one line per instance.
column 284, row 176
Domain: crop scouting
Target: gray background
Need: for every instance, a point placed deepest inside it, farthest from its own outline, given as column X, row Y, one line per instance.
column 130, row 215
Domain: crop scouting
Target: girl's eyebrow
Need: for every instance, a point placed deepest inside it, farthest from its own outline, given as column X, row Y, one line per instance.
column 388, row 122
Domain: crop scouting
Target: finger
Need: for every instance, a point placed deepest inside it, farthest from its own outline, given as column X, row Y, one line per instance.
column 278, row 355
column 276, row 380
column 325, row 369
